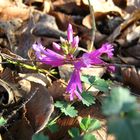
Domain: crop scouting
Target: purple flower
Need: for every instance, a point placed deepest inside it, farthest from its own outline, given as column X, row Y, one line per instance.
column 93, row 58
column 70, row 33
column 48, row 56
column 106, row 48
column 74, row 85
column 67, row 48
column 74, row 41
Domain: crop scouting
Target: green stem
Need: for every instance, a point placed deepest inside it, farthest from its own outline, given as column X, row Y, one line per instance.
column 55, row 119
column 31, row 67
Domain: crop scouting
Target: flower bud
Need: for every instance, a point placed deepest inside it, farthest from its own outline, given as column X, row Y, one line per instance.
column 56, row 46
column 70, row 33
column 75, row 42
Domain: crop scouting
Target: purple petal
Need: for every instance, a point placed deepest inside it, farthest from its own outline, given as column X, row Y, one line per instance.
column 38, row 47
column 70, row 33
column 56, row 46
column 75, row 42
column 52, row 58
column 87, row 60
column 107, row 49
column 48, row 56
column 74, row 84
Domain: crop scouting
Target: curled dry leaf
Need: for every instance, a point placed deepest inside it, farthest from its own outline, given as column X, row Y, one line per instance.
column 131, row 77
column 131, row 19
column 8, row 93
column 37, row 78
column 37, row 107
column 46, row 26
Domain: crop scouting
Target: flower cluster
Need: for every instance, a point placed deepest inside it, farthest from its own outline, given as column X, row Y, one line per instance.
column 64, row 55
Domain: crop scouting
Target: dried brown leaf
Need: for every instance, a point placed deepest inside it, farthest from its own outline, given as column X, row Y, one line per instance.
column 12, row 11
column 62, row 20
column 120, row 3
column 57, row 89
column 131, row 77
column 132, row 19
column 103, row 6
column 37, row 78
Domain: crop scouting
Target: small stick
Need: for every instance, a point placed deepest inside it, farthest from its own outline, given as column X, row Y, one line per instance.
column 93, row 26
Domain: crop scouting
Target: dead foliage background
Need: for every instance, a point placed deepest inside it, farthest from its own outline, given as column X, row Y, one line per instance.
column 26, row 96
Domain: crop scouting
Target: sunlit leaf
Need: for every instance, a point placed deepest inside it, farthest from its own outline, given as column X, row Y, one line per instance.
column 94, row 125
column 87, row 99
column 66, row 108
column 89, row 124
column 2, row 121
column 84, row 124
column 96, row 82
column 88, row 79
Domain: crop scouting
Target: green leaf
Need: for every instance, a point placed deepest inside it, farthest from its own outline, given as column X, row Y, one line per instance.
column 70, row 111
column 97, row 82
column 87, row 99
column 120, row 100
column 89, row 124
column 84, row 124
column 74, row 132
column 101, row 84
column 2, row 121
column 88, row 79
column 66, row 108
column 53, row 128
column 94, row 125
column 40, row 137
column 125, row 129
column 60, row 104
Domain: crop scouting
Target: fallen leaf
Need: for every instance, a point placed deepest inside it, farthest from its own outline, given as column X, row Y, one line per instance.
column 131, row 77
column 57, row 89
column 103, row 6
column 37, row 78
